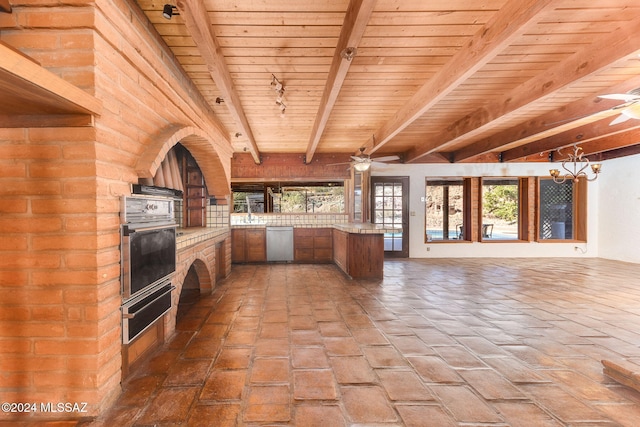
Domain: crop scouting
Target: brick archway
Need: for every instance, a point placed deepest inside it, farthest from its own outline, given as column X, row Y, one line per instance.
column 214, row 158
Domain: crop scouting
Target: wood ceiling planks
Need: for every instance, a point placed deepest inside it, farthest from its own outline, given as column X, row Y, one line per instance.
column 402, row 86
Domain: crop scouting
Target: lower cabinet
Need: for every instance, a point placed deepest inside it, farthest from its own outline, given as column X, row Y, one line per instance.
column 248, row 245
column 361, row 256
column 312, row 245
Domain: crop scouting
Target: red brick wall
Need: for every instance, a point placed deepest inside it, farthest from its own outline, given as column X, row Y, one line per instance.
column 60, row 191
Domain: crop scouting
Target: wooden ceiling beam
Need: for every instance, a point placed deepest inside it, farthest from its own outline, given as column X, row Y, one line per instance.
column 501, row 30
column 622, row 43
column 197, row 22
column 355, row 23
column 574, row 115
column 593, row 139
column 580, row 135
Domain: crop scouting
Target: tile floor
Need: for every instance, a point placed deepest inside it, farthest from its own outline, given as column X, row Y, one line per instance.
column 465, row 342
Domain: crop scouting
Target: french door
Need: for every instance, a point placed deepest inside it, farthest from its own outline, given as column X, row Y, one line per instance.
column 390, row 208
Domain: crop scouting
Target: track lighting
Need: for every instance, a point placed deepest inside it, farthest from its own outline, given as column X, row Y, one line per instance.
column 348, row 53
column 169, row 10
column 278, row 87
column 219, row 100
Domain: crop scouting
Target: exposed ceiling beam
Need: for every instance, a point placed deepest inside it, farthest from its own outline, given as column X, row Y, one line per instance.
column 630, row 150
column 574, row 115
column 355, row 23
column 622, row 43
column 5, row 6
column 197, row 22
column 507, row 24
column 596, row 138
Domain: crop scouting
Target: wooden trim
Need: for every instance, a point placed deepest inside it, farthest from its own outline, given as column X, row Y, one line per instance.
column 41, row 90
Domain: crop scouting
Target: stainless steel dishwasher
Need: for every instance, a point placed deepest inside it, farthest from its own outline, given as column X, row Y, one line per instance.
column 279, row 244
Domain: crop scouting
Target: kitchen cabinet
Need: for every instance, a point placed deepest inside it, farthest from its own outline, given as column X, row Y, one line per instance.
column 359, row 255
column 248, row 245
column 312, row 245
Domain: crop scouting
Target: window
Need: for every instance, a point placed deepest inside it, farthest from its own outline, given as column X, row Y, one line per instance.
column 445, row 210
column 562, row 210
column 321, row 197
column 500, row 209
column 316, row 199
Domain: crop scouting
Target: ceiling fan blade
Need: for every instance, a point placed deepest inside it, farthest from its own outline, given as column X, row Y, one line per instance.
column 620, row 119
column 620, row 97
column 338, row 164
column 360, row 159
column 386, row 158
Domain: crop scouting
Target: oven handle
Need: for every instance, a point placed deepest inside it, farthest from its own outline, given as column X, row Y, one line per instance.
column 137, row 228
column 132, row 315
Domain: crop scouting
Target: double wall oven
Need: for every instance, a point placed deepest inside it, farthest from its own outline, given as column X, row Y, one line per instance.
column 148, row 249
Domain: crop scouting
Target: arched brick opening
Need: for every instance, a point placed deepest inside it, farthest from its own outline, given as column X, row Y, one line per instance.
column 196, row 281
column 213, row 157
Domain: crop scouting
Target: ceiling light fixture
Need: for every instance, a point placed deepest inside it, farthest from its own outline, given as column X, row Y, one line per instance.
column 169, row 10
column 348, row 53
column 362, row 166
column 579, row 164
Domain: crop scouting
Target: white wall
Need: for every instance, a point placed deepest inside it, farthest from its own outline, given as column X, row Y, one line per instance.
column 619, row 206
column 419, row 249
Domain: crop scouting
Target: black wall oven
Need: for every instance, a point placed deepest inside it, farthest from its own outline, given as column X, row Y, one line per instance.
column 148, row 249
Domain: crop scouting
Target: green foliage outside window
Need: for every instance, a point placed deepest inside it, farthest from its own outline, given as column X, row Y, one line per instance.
column 501, row 201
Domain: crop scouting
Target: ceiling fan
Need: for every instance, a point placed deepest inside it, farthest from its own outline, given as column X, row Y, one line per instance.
column 362, row 161
column 631, row 107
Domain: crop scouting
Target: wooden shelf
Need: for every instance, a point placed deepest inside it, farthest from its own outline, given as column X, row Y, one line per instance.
column 32, row 96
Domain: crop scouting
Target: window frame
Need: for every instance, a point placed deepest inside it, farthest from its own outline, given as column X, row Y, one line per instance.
column 466, row 209
column 523, row 213
column 579, row 211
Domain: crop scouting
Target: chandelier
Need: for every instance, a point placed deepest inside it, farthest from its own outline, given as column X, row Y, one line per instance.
column 578, row 163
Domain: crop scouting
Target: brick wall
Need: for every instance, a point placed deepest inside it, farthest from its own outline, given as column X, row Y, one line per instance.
column 60, row 191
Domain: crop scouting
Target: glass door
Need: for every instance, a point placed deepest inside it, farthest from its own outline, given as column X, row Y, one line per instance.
column 390, row 207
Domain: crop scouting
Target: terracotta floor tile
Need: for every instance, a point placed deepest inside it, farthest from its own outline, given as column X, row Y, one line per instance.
column 221, row 414
column 403, row 385
column 465, row 406
column 233, row 358
column 433, row 369
column 562, row 404
column 369, row 337
column 342, row 346
column 224, row 385
column 424, row 415
column 170, row 405
column 272, row 347
column 187, row 372
column 333, row 329
column 270, row 370
column 491, row 385
column 202, row 348
column 452, row 341
column 317, row 384
column 367, row 405
column 319, row 415
column 352, row 370
column 384, row 357
column 525, row 414
column 309, row 357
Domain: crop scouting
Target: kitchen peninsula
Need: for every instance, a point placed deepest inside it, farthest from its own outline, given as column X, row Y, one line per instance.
column 357, row 248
